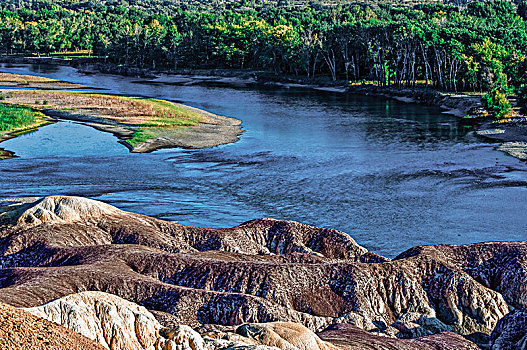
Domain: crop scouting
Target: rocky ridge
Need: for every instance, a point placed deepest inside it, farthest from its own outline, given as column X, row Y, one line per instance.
column 118, row 324
column 264, row 270
column 111, row 321
column 510, row 332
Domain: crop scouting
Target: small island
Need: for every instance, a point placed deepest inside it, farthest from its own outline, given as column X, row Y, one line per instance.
column 35, row 82
column 142, row 124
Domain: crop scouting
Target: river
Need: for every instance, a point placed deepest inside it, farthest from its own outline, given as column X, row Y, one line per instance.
column 392, row 175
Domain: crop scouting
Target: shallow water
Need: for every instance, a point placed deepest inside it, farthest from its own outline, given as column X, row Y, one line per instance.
column 392, row 175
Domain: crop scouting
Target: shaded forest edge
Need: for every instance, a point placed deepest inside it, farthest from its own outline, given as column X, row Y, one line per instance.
column 480, row 47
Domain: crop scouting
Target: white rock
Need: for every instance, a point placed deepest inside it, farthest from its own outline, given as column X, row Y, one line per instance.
column 65, row 210
column 112, row 321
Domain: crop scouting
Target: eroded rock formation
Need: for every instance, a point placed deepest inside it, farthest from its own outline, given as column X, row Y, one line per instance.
column 115, row 323
column 118, row 324
column 284, row 335
column 348, row 337
column 91, row 222
column 510, row 332
column 20, row 330
column 262, row 271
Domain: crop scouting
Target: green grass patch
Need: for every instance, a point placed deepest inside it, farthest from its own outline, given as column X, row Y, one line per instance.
column 168, row 116
column 5, row 154
column 16, row 120
column 141, row 136
column 14, row 117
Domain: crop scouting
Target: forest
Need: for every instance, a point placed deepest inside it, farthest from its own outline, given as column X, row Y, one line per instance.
column 478, row 47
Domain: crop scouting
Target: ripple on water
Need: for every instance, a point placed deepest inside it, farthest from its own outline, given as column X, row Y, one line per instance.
column 392, row 175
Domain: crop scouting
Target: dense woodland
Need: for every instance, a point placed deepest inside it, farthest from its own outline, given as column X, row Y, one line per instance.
column 477, row 47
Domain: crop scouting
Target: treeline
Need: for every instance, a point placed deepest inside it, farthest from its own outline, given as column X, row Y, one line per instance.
column 480, row 47
column 170, row 6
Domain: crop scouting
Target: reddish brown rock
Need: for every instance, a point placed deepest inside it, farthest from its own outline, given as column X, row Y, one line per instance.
column 500, row 266
column 284, row 335
column 348, row 337
column 264, row 270
column 510, row 332
column 75, row 222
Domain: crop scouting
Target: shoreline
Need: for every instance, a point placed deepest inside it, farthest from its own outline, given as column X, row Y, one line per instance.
column 40, row 121
column 222, row 130
column 512, row 135
column 142, row 125
column 467, row 106
column 514, row 142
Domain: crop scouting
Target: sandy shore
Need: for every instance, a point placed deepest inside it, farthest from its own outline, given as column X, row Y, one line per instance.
column 35, row 82
column 160, row 123
column 512, row 133
column 40, row 120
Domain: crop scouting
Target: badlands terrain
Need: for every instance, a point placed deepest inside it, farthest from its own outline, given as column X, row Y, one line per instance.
column 127, row 281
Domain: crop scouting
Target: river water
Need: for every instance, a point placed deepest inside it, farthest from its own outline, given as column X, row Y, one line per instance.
column 392, row 175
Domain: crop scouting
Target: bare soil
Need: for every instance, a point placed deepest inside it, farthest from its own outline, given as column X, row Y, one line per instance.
column 19, row 330
column 124, row 116
column 35, row 82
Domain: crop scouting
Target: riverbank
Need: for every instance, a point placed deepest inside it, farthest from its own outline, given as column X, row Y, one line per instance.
column 17, row 120
column 463, row 105
column 141, row 124
column 457, row 104
column 512, row 132
column 35, row 82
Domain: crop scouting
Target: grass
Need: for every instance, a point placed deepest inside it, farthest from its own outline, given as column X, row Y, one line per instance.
column 168, row 116
column 5, row 154
column 147, row 117
column 141, row 136
column 81, row 53
column 13, row 118
column 17, row 120
column 24, row 79
column 144, row 112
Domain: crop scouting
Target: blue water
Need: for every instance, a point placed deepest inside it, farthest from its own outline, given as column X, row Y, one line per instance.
column 392, row 175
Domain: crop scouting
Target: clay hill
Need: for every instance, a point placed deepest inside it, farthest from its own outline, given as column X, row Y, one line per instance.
column 21, row 330
column 265, row 283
